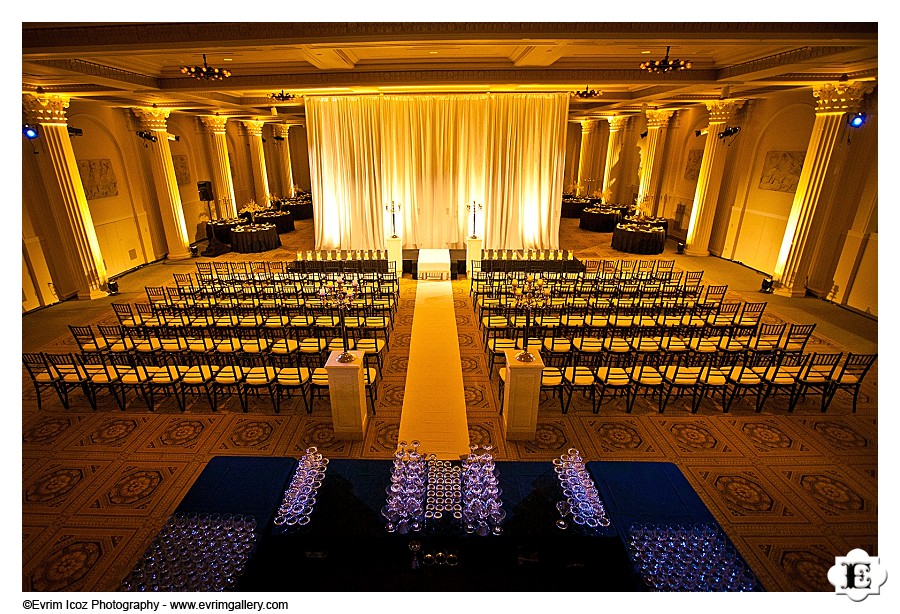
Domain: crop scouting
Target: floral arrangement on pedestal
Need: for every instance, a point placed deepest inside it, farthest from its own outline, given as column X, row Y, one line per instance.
column 604, row 195
column 642, row 208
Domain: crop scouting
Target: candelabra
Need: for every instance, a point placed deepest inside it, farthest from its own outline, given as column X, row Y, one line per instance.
column 393, row 209
column 473, row 208
column 340, row 296
column 528, row 297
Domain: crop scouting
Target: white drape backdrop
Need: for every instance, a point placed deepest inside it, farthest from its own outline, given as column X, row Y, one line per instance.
column 434, row 154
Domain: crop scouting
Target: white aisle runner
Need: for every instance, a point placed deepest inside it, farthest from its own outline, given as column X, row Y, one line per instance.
column 434, row 403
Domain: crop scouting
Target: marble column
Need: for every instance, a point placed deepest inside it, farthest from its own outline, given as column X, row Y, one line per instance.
column 284, row 147
column 657, row 120
column 586, row 154
column 167, row 194
column 706, row 196
column 611, row 172
column 68, row 202
column 834, row 101
column 222, row 182
column 257, row 161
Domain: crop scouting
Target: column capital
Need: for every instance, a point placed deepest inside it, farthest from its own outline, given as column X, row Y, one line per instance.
column 45, row 109
column 150, row 118
column 658, row 118
column 616, row 122
column 214, row 123
column 253, row 127
column 588, row 125
column 282, row 130
column 841, row 97
column 723, row 111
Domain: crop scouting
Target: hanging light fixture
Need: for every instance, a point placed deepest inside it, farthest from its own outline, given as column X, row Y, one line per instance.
column 665, row 64
column 282, row 96
column 206, row 71
column 587, row 93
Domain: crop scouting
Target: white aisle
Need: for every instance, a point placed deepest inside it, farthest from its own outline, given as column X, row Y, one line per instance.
column 434, row 404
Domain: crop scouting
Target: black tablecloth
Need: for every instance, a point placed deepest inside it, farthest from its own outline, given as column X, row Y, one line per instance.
column 574, row 206
column 658, row 222
column 254, row 238
column 221, row 229
column 345, row 547
column 301, row 210
column 635, row 241
column 604, row 220
column 283, row 220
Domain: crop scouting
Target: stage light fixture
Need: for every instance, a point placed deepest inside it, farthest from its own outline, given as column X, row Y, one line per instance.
column 278, row 138
column 855, row 120
column 112, row 287
column 767, row 286
column 75, row 131
column 727, row 132
column 146, row 135
column 701, row 132
column 30, row 132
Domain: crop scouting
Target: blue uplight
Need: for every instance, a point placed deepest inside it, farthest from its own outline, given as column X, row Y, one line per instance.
column 30, row 132
column 856, row 120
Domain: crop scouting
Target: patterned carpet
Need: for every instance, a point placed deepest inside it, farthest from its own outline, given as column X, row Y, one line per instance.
column 792, row 491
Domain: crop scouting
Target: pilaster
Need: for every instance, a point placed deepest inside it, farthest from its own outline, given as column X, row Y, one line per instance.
column 284, row 147
column 167, row 193
column 612, row 170
column 257, row 160
column 68, row 202
column 222, row 181
column 586, row 179
column 657, row 120
column 833, row 101
column 703, row 211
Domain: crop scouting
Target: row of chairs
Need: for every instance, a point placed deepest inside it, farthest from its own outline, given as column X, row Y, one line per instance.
column 297, row 270
column 674, row 376
column 566, row 346
column 150, row 376
column 652, row 325
column 314, row 342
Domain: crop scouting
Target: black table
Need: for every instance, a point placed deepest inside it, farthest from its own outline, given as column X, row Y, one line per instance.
column 346, row 547
column 600, row 219
column 252, row 238
column 299, row 209
column 572, row 207
column 657, row 222
column 639, row 239
column 221, row 229
column 282, row 220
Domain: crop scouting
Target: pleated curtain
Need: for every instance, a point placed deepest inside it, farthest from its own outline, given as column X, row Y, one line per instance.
column 433, row 155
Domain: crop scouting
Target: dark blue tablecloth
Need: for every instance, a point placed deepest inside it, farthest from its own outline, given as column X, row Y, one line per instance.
column 346, row 547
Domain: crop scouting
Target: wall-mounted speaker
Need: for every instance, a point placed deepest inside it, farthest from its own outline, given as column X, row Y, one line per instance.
column 205, row 189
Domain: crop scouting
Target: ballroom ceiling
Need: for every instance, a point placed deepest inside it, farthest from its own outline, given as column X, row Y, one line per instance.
column 138, row 64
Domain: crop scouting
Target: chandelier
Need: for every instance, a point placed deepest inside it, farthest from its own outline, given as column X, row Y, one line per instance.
column 206, row 71
column 665, row 64
column 587, row 93
column 282, row 96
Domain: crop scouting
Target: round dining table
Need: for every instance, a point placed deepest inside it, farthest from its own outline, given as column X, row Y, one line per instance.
column 300, row 208
column 221, row 229
column 658, row 222
column 252, row 238
column 601, row 219
column 283, row 220
column 639, row 239
column 572, row 207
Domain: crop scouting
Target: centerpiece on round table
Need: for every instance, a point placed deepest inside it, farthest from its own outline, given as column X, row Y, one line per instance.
column 251, row 208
